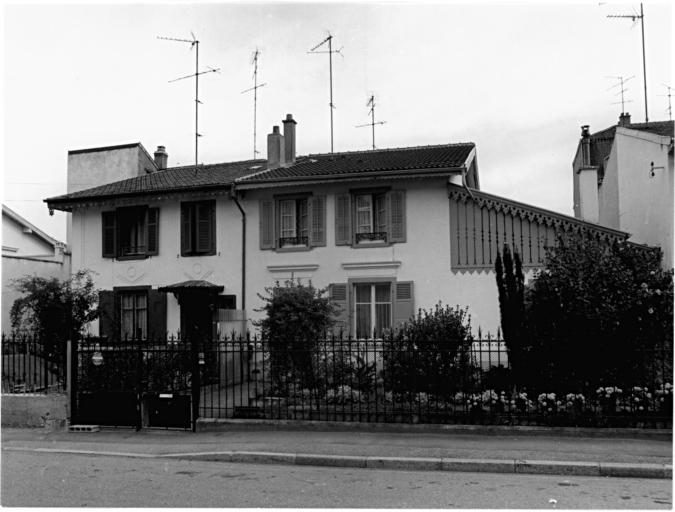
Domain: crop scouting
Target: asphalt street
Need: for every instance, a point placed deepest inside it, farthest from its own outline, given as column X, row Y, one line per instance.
column 31, row 479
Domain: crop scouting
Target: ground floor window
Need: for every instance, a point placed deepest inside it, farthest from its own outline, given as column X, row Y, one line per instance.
column 134, row 314
column 372, row 309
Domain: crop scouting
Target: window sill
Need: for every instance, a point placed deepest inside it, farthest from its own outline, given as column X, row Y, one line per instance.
column 197, row 255
column 133, row 257
column 294, row 248
column 367, row 245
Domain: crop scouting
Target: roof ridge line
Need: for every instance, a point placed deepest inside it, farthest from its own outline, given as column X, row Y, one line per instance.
column 384, row 150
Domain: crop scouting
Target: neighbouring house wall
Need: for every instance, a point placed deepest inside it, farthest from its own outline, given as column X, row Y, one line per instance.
column 96, row 167
column 424, row 258
column 168, row 267
column 26, row 244
column 645, row 203
column 576, row 165
column 14, row 267
column 33, row 410
column 609, row 192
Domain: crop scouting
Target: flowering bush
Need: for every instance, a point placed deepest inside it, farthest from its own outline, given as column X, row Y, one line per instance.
column 639, row 401
column 609, row 397
column 664, row 397
column 575, row 404
column 343, row 395
column 522, row 403
column 548, row 403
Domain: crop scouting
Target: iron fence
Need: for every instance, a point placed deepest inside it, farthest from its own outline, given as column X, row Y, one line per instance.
column 31, row 364
column 404, row 381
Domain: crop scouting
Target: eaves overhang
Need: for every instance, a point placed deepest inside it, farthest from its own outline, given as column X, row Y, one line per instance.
column 67, row 204
column 241, row 184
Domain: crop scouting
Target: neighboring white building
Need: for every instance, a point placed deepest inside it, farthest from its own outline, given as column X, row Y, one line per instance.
column 26, row 249
column 390, row 231
column 623, row 179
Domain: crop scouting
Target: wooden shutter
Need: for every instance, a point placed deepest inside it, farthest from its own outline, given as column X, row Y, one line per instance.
column 396, row 203
column 152, row 235
column 204, row 237
column 339, row 293
column 317, row 216
column 343, row 219
column 109, row 230
column 107, row 325
column 185, row 229
column 213, row 227
column 266, row 224
column 404, row 302
column 156, row 315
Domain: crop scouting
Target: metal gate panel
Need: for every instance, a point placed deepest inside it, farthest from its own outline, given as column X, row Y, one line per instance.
column 169, row 410
column 109, row 408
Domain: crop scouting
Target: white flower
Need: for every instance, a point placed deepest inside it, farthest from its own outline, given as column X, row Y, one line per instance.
column 549, row 409
column 651, row 311
column 637, row 399
column 641, row 408
column 610, row 390
column 649, row 395
column 513, row 402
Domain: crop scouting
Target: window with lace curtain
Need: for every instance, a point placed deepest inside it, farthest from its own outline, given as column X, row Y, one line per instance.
column 134, row 314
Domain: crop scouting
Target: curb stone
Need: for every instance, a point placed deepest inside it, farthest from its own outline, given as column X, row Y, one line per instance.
column 622, row 469
column 608, row 469
column 343, row 461
column 479, row 466
column 545, row 467
column 419, row 464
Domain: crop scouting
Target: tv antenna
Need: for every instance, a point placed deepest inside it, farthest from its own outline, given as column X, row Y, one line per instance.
column 330, row 53
column 621, row 82
column 371, row 104
column 254, row 61
column 641, row 19
column 193, row 43
column 670, row 109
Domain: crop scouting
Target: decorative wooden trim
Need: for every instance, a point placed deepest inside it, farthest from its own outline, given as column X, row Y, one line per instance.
column 371, row 264
column 292, row 268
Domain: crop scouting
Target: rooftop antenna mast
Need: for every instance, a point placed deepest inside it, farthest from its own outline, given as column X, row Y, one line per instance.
column 621, row 82
column 371, row 104
column 193, row 43
column 254, row 61
column 670, row 109
column 638, row 18
column 330, row 53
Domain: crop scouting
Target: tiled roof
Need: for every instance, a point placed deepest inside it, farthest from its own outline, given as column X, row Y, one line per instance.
column 324, row 165
column 167, row 180
column 343, row 164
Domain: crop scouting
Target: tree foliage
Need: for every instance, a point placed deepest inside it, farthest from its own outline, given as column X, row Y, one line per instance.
column 598, row 312
column 432, row 352
column 511, row 288
column 52, row 308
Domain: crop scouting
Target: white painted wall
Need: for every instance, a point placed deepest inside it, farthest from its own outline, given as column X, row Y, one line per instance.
column 645, row 203
column 168, row 267
column 425, row 257
column 26, row 244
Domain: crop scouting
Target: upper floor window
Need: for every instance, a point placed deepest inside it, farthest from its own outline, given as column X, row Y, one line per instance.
column 130, row 232
column 292, row 223
column 367, row 218
column 198, row 228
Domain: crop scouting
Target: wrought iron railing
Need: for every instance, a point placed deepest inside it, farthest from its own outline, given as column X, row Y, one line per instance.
column 133, row 250
column 371, row 237
column 292, row 241
column 33, row 365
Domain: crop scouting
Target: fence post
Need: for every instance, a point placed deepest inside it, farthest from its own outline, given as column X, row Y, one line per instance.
column 45, row 364
column 71, row 379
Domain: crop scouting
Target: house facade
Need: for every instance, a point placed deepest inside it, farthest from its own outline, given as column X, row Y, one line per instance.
column 26, row 250
column 623, row 179
column 387, row 231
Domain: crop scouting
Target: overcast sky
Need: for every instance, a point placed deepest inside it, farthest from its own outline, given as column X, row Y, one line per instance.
column 517, row 80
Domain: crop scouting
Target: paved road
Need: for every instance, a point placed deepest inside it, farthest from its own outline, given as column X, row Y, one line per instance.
column 61, row 480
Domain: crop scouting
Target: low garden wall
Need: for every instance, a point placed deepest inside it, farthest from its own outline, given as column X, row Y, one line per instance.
column 26, row 410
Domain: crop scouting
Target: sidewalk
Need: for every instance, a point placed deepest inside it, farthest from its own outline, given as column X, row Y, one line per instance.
column 248, row 441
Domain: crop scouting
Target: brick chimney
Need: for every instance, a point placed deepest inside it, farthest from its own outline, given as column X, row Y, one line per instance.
column 276, row 149
column 289, row 138
column 587, row 202
column 624, row 119
column 161, row 157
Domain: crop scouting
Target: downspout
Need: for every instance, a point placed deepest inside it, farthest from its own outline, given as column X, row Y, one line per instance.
column 233, row 194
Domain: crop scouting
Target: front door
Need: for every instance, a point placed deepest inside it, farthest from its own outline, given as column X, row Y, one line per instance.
column 197, row 315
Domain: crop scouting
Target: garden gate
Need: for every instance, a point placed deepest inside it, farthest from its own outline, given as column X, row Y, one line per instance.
column 136, row 383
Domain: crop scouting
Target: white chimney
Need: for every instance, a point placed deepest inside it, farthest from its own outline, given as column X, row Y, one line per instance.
column 275, row 149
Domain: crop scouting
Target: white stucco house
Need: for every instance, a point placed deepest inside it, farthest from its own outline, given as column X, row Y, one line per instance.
column 26, row 250
column 623, row 179
column 389, row 231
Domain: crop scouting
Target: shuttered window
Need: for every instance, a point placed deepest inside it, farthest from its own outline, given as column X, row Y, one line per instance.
column 293, row 223
column 132, row 312
column 198, row 228
column 370, row 218
column 130, row 233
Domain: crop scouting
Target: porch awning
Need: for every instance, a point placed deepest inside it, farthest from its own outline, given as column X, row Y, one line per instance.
column 191, row 285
